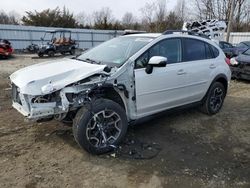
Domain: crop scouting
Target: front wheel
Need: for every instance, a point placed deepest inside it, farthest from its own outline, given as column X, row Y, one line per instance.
column 214, row 99
column 100, row 128
column 72, row 51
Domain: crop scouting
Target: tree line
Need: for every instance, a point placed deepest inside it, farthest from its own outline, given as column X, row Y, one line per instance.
column 154, row 16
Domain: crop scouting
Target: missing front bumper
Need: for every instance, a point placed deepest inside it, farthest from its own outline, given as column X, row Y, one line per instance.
column 37, row 111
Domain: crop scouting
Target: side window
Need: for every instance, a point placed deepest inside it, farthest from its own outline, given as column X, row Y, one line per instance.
column 194, row 50
column 216, row 52
column 169, row 48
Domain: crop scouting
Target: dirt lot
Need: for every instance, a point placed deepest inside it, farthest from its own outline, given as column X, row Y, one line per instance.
column 196, row 150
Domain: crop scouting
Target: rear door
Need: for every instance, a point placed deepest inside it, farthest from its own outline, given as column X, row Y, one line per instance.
column 199, row 63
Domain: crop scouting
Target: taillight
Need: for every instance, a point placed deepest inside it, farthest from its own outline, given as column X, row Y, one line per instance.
column 227, row 60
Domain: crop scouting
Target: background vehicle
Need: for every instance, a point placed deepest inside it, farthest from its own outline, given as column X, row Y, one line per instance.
column 5, row 48
column 60, row 41
column 240, row 66
column 241, row 47
column 32, row 48
column 122, row 80
column 228, row 49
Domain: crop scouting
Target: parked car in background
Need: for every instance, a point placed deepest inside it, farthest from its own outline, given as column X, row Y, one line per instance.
column 227, row 48
column 32, row 48
column 5, row 48
column 233, row 51
column 122, row 80
column 240, row 66
column 241, row 47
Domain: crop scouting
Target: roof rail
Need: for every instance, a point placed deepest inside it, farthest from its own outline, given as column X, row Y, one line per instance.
column 128, row 32
column 167, row 32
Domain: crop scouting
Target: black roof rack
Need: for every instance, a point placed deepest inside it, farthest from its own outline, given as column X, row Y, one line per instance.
column 168, row 32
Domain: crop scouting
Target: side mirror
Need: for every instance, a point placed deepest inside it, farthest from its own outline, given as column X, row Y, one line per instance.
column 155, row 61
column 42, row 39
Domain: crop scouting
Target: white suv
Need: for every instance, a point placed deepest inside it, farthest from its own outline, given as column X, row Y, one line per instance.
column 122, row 80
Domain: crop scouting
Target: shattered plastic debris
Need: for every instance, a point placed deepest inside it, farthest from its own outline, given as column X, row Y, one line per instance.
column 135, row 149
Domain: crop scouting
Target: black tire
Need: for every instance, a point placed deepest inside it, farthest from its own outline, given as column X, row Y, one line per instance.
column 40, row 54
column 68, row 120
column 51, row 53
column 213, row 101
column 99, row 129
column 72, row 51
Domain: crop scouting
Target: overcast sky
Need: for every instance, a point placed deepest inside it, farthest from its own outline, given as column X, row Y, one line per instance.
column 118, row 7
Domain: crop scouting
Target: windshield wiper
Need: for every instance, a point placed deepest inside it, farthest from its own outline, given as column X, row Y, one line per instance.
column 88, row 60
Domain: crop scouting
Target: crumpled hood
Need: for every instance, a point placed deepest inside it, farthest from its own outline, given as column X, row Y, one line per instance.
column 59, row 73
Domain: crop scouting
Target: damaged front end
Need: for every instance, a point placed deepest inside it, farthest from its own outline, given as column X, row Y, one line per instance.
column 59, row 103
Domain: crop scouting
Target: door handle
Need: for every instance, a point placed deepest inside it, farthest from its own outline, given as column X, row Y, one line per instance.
column 181, row 72
column 212, row 66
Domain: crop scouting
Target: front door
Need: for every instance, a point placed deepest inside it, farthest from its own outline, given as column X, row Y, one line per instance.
column 165, row 87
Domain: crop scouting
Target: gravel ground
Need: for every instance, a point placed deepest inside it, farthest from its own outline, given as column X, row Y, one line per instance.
column 196, row 150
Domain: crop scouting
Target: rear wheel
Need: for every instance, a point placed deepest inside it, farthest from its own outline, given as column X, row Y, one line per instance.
column 99, row 129
column 40, row 54
column 72, row 51
column 214, row 99
column 51, row 53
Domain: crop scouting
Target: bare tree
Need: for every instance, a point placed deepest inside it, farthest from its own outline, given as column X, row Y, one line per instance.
column 220, row 9
column 128, row 20
column 173, row 21
column 103, row 18
column 11, row 18
column 160, row 14
column 241, row 12
column 148, row 16
column 83, row 20
column 181, row 10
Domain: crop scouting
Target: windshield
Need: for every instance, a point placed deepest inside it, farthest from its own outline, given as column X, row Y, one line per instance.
column 116, row 51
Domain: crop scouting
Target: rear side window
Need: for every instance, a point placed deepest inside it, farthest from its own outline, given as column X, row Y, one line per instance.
column 198, row 50
column 209, row 52
column 194, row 50
column 215, row 51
